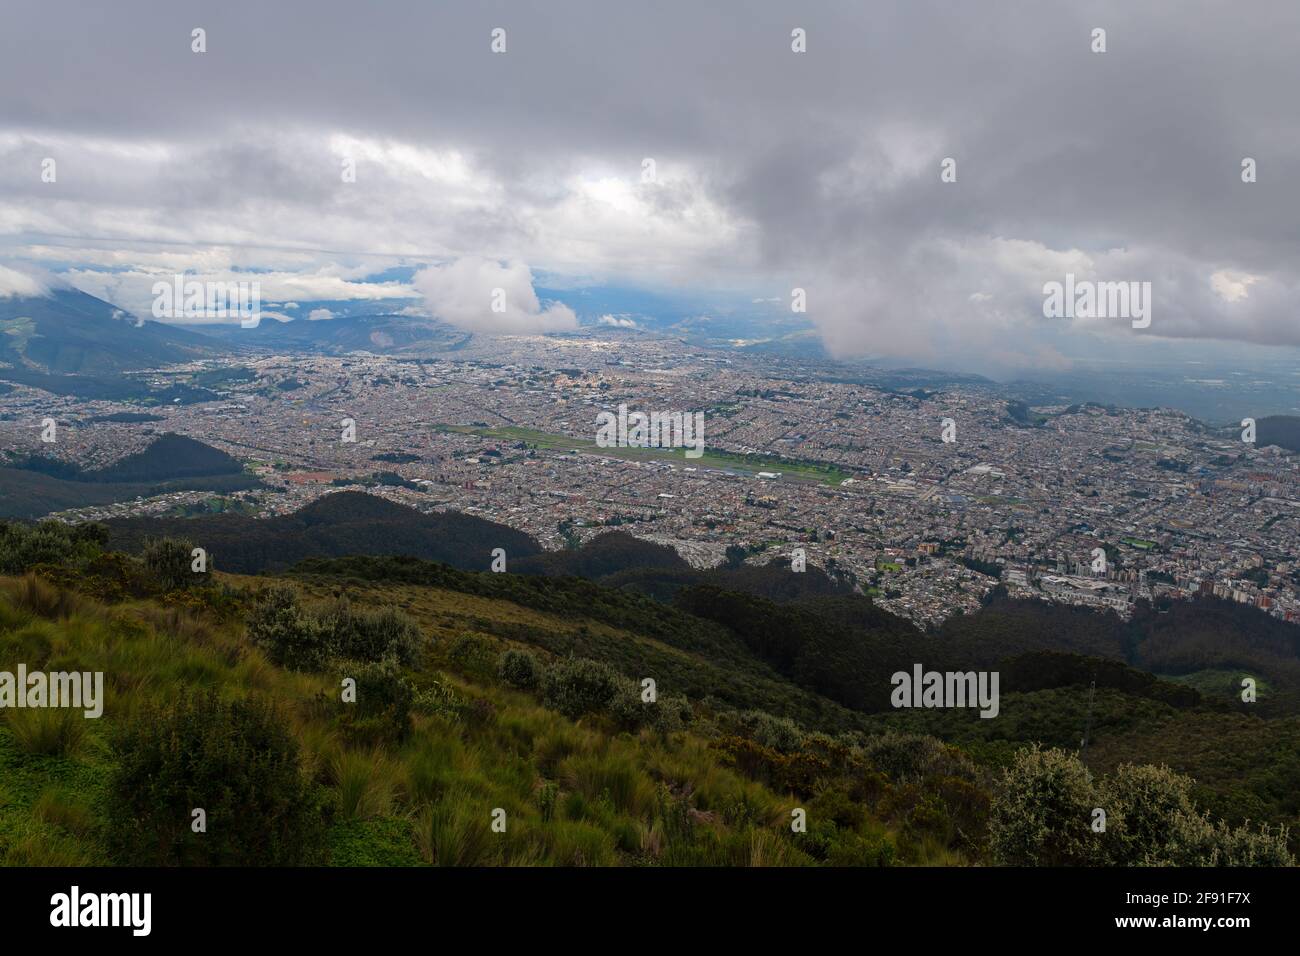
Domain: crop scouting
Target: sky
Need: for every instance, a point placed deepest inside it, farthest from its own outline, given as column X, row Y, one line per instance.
column 773, row 170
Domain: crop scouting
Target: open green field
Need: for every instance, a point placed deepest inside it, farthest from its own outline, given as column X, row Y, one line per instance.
column 1219, row 684
column 723, row 460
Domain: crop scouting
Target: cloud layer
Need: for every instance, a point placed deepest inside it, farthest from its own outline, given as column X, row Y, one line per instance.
column 771, row 169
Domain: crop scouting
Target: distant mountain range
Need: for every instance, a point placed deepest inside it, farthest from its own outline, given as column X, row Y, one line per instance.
column 354, row 333
column 70, row 332
column 71, row 343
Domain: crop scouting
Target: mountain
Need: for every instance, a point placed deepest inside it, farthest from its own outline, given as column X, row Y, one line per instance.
column 385, row 334
column 604, row 555
column 167, row 457
column 342, row 523
column 36, row 485
column 71, row 333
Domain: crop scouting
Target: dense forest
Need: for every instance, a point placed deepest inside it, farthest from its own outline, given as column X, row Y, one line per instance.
column 37, row 484
column 346, row 522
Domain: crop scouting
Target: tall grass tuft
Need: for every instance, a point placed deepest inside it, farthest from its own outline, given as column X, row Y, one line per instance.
column 64, row 808
column 449, row 833
column 365, row 782
column 50, row 731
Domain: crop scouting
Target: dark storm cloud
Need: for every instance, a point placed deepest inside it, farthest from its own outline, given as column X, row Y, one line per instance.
column 819, row 170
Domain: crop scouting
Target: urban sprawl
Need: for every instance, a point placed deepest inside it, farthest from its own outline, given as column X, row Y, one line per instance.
column 924, row 498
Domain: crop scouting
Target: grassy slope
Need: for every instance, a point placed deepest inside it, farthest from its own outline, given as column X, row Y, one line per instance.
column 742, row 681
column 575, row 792
column 616, row 798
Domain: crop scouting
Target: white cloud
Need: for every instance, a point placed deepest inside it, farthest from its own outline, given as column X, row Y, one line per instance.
column 621, row 321
column 133, row 289
column 319, row 315
column 1232, row 286
column 464, row 293
column 15, row 283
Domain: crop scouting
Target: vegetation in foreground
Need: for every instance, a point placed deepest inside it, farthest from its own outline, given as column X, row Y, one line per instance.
column 227, row 695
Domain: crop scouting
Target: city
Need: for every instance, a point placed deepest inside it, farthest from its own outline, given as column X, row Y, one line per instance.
column 927, row 527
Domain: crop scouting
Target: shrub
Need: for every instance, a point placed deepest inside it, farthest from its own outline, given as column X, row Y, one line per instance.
column 474, row 656
column 775, row 733
column 579, row 686
column 49, row 542
column 440, row 700
column 1198, row 842
column 170, row 563
column 382, row 710
column 237, row 762
column 905, row 757
column 630, row 712
column 1042, row 811
column 1143, row 804
column 291, row 637
column 366, row 635
column 519, row 669
column 627, row 708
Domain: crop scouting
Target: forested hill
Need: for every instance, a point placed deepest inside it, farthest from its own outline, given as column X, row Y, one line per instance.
column 35, row 485
column 167, row 457
column 343, row 523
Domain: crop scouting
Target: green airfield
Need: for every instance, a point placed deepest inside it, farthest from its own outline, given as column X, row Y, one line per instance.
column 723, row 460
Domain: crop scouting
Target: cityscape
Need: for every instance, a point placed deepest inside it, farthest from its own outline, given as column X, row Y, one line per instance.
column 858, row 477
column 481, row 461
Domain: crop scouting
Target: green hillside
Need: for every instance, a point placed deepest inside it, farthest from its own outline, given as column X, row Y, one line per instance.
column 503, row 720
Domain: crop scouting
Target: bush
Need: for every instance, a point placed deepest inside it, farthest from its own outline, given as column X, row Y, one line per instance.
column 1042, row 815
column 365, row 635
column 170, row 563
column 627, row 708
column 905, row 757
column 1143, row 804
column 1198, row 842
column 382, row 710
column 630, row 712
column 290, row 636
column 49, row 542
column 474, row 656
column 775, row 733
column 441, row 700
column 1042, row 811
column 236, row 761
column 519, row 669
column 579, row 686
